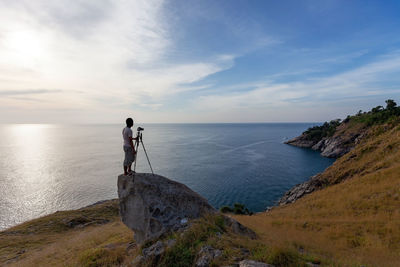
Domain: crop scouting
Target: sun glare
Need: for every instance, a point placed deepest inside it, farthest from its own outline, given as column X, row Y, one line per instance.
column 25, row 47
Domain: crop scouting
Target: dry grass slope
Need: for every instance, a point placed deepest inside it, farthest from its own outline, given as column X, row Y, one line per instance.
column 355, row 220
column 91, row 236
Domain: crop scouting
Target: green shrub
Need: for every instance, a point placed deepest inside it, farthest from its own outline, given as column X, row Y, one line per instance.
column 238, row 208
column 283, row 257
column 181, row 254
column 220, row 222
column 226, row 209
column 327, row 129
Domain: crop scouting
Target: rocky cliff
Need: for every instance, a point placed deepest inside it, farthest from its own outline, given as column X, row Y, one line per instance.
column 300, row 190
column 344, row 138
column 339, row 138
column 350, row 142
column 347, row 135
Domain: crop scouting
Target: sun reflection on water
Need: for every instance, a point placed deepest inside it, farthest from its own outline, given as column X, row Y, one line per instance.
column 28, row 158
column 30, row 145
column 46, row 167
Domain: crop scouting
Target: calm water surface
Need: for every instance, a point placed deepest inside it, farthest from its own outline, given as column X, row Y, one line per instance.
column 45, row 168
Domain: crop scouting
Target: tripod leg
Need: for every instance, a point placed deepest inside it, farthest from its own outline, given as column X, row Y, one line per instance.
column 135, row 155
column 145, row 152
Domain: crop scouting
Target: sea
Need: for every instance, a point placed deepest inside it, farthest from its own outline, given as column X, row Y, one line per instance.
column 45, row 168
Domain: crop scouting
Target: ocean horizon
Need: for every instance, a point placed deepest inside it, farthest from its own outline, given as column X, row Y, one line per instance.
column 49, row 167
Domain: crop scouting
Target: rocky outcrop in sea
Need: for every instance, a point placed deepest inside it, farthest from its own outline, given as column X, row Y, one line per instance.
column 333, row 146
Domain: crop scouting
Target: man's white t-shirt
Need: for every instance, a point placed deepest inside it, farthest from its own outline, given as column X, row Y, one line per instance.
column 126, row 133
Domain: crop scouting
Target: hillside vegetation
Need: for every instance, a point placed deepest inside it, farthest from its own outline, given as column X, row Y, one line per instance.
column 356, row 217
column 376, row 116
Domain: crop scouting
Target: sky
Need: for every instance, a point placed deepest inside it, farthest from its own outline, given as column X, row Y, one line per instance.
column 100, row 61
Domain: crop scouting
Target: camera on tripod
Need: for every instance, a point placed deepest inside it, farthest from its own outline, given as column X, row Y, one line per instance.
column 139, row 134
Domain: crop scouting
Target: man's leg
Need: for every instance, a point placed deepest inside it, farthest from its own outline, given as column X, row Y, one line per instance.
column 131, row 160
column 125, row 167
column 125, row 170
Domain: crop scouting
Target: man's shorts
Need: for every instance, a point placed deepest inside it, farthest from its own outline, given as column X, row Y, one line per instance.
column 129, row 156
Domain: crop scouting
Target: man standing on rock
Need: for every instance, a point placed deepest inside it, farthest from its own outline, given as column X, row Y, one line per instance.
column 129, row 148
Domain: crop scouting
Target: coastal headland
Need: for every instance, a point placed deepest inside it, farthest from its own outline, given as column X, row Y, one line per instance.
column 348, row 215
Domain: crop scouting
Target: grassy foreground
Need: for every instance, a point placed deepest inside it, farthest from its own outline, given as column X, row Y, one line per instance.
column 95, row 236
column 356, row 218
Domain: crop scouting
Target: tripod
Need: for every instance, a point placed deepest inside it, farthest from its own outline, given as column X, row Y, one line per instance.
column 139, row 139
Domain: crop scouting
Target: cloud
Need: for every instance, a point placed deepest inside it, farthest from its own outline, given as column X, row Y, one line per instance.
column 176, row 78
column 28, row 92
column 114, row 53
column 363, row 81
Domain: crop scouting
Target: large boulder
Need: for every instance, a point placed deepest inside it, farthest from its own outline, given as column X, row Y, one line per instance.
column 152, row 205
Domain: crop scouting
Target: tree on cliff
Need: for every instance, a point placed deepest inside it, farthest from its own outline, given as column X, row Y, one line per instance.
column 377, row 109
column 325, row 130
column 390, row 104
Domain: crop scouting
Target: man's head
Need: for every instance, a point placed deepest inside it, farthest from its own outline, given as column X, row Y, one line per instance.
column 129, row 122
